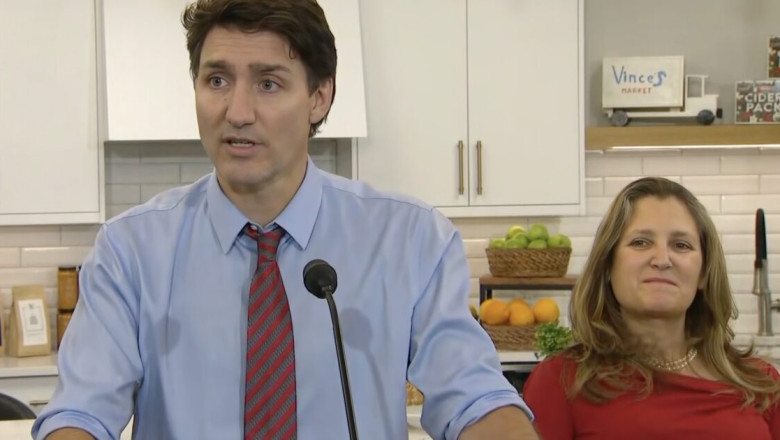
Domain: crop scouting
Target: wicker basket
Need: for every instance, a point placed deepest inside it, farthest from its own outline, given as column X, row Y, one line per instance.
column 506, row 337
column 551, row 262
column 413, row 396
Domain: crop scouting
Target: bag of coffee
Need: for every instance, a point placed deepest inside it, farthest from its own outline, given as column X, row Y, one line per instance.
column 28, row 324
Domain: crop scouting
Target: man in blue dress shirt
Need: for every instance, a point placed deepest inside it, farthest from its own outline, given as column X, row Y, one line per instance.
column 160, row 330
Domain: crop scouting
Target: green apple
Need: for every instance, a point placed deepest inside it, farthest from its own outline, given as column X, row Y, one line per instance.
column 497, row 243
column 538, row 244
column 559, row 241
column 538, row 231
column 514, row 230
column 519, row 241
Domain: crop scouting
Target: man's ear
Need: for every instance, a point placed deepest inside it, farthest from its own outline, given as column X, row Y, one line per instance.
column 321, row 100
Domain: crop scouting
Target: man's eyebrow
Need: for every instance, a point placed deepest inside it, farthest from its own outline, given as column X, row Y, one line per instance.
column 216, row 65
column 260, row 68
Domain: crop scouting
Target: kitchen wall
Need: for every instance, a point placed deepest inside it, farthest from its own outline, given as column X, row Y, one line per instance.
column 724, row 39
column 731, row 184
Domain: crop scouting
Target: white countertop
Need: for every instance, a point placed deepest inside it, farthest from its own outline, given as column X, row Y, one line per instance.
column 20, row 429
column 28, row 366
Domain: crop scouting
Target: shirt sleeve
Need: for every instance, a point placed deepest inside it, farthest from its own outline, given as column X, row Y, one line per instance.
column 452, row 359
column 99, row 362
column 545, row 394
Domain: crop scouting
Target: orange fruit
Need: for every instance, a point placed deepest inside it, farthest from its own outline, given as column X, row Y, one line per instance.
column 494, row 312
column 520, row 314
column 519, row 300
column 546, row 310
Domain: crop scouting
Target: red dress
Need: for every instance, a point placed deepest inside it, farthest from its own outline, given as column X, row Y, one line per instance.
column 680, row 407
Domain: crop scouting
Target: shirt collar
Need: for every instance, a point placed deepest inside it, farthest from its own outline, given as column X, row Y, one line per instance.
column 297, row 218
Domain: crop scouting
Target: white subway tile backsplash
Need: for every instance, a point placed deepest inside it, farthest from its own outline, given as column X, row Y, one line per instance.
column 574, row 226
column 594, row 186
column 740, row 263
column 734, row 224
column 123, row 194
column 746, row 323
column 748, row 203
column 475, row 247
column 750, row 164
column 79, row 235
column 479, row 266
column 581, row 246
column 612, row 166
column 122, row 152
column 613, row 185
column 19, row 276
column 576, row 264
column 193, row 172
column 9, row 257
column 747, row 303
column 711, row 203
column 146, row 173
column 487, row 227
column 680, row 166
column 597, row 206
column 173, row 152
column 53, row 256
column 740, row 282
column 770, row 184
column 17, row 236
column 701, row 185
column 772, row 222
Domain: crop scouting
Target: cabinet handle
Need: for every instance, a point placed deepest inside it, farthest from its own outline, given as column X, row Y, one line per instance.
column 460, row 167
column 38, row 402
column 479, row 168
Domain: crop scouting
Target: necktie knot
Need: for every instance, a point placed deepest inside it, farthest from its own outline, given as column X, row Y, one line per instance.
column 267, row 242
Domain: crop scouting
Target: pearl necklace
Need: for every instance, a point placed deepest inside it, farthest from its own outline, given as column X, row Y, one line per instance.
column 675, row 365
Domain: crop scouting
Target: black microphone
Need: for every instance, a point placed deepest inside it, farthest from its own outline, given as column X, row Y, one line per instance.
column 320, row 279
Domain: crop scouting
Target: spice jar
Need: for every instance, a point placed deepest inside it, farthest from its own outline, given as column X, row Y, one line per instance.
column 63, row 318
column 67, row 288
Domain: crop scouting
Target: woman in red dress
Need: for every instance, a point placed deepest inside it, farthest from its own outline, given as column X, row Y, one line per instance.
column 653, row 355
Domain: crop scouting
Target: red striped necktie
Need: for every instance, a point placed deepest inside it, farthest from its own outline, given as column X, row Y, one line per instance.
column 269, row 401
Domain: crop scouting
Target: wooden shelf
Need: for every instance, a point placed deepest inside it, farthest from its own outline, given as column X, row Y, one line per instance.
column 601, row 138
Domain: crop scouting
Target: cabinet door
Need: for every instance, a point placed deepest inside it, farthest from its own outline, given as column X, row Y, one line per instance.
column 149, row 89
column 49, row 149
column 415, row 69
column 347, row 117
column 525, row 104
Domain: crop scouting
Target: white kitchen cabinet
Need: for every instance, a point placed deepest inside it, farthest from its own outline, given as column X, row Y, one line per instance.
column 149, row 89
column 51, row 161
column 476, row 107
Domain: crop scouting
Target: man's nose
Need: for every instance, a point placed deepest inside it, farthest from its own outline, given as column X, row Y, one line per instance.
column 240, row 106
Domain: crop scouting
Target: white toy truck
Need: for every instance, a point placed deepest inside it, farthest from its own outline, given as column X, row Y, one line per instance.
column 654, row 87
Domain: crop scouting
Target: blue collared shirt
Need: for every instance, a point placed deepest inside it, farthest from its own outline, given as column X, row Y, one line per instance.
column 162, row 318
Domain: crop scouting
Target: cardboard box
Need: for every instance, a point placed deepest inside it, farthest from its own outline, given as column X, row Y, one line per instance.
column 757, row 102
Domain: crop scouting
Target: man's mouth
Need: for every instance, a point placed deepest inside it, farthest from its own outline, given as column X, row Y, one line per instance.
column 239, row 142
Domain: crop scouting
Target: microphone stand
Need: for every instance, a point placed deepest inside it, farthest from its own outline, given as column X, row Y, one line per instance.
column 328, row 291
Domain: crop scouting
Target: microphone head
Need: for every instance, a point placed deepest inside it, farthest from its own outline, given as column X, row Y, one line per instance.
column 319, row 277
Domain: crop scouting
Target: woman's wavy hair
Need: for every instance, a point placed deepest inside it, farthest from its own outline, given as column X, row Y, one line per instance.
column 301, row 23
column 608, row 361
